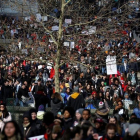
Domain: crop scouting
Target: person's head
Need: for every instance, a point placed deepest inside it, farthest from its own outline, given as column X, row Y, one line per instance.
column 126, row 96
column 111, row 130
column 6, row 82
column 68, row 112
column 98, row 123
column 23, row 86
column 120, row 104
column 26, row 119
column 86, row 114
column 39, row 81
column 78, row 113
column 48, row 119
column 112, row 119
column 11, row 129
column 3, row 107
column 23, row 73
column 33, row 113
column 87, row 129
column 76, row 133
column 56, row 132
column 57, row 95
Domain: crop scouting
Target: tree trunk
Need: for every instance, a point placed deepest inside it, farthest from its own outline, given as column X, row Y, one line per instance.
column 57, row 61
column 59, row 46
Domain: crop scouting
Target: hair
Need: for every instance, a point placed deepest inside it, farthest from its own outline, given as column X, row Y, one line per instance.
column 85, row 127
column 111, row 126
column 48, row 118
column 75, row 130
column 87, row 111
column 5, row 111
column 57, row 95
column 17, row 134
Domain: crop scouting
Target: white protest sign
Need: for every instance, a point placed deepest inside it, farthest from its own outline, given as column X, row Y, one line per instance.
column 66, row 44
column 38, row 17
column 19, row 45
column 111, row 65
column 55, row 28
column 68, row 21
column 40, row 67
column 92, row 30
column 44, row 18
column 27, row 18
column 37, row 137
column 72, row 45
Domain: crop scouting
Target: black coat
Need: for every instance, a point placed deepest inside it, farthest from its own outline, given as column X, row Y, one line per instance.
column 22, row 92
column 68, row 123
column 30, row 131
column 76, row 101
column 6, row 92
column 56, row 106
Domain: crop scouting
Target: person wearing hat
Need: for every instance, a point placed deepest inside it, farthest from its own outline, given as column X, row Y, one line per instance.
column 133, row 132
column 127, row 101
column 76, row 99
column 99, row 127
column 103, row 110
column 78, row 116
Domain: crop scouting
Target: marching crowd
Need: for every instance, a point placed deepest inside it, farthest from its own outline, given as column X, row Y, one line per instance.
column 81, row 110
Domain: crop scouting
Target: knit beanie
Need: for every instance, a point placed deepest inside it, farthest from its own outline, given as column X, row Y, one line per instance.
column 80, row 111
column 133, row 128
column 101, row 104
column 125, row 94
column 41, row 108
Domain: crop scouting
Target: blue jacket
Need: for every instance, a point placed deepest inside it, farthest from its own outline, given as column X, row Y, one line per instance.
column 137, row 112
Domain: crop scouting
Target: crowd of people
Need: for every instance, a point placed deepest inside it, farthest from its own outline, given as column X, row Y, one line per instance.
column 81, row 110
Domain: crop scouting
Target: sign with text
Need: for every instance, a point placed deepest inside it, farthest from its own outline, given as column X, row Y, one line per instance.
column 111, row 65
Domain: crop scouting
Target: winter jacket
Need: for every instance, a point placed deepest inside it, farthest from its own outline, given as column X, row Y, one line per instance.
column 107, row 138
column 76, row 101
column 29, row 131
column 56, row 106
column 68, row 123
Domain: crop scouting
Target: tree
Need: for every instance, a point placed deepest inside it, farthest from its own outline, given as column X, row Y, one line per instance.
column 91, row 21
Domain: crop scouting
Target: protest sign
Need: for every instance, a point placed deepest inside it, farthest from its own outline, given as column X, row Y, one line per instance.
column 68, row 21
column 72, row 45
column 38, row 17
column 55, row 28
column 44, row 18
column 111, row 65
column 66, row 44
column 37, row 137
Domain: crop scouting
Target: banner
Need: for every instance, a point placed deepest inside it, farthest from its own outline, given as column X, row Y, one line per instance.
column 111, row 65
column 37, row 137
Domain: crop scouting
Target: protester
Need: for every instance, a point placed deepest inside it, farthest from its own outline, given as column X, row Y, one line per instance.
column 11, row 131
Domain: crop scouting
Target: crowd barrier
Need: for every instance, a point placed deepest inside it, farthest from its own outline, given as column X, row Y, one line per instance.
column 17, row 112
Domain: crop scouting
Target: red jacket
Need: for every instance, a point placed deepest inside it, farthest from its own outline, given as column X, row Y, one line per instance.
column 115, row 138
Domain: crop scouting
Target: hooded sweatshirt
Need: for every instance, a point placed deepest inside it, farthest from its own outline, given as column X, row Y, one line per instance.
column 76, row 101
